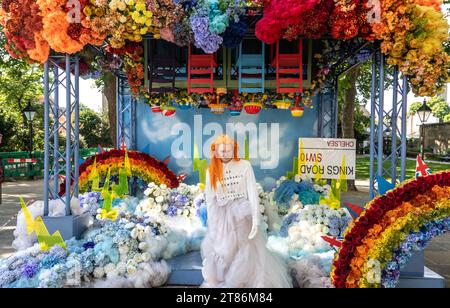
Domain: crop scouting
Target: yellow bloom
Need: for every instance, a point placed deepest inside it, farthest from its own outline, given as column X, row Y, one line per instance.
column 87, row 11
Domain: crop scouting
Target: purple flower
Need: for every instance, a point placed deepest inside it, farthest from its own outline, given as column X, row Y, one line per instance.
column 30, row 269
column 172, row 211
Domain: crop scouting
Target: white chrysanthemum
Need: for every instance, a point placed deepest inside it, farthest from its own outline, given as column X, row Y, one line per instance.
column 143, row 246
column 145, row 257
column 110, row 267
column 124, row 249
column 131, row 269
column 99, row 272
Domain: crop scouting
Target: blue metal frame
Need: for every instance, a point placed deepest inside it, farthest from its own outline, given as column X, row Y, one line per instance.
column 328, row 113
column 125, row 115
column 58, row 73
column 387, row 122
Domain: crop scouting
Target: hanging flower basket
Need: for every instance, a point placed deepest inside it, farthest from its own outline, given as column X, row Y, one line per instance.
column 169, row 111
column 252, row 108
column 284, row 105
column 297, row 112
column 156, row 109
column 235, row 111
column 217, row 108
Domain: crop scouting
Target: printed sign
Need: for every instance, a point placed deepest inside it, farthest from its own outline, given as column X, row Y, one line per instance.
column 327, row 158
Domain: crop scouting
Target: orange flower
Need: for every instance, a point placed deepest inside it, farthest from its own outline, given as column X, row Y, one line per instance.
column 42, row 50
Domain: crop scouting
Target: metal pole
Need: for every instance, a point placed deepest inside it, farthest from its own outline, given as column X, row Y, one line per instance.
column 394, row 128
column 380, row 117
column 68, row 135
column 30, row 124
column 422, row 137
column 118, row 111
column 46, row 137
column 76, row 146
column 372, row 124
column 56, row 117
column 404, row 128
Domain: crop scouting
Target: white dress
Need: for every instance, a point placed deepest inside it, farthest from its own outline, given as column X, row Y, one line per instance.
column 230, row 258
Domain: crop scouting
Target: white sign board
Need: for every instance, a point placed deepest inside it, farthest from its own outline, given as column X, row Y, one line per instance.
column 327, row 158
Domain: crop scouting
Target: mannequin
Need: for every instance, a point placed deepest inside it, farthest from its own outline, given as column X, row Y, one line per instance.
column 234, row 250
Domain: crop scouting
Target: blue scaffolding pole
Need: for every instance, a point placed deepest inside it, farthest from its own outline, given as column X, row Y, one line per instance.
column 61, row 120
column 125, row 115
column 328, row 111
column 387, row 121
column 61, row 161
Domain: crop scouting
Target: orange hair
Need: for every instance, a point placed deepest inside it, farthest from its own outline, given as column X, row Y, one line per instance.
column 216, row 167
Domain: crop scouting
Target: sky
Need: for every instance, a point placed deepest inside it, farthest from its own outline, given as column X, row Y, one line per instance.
column 90, row 95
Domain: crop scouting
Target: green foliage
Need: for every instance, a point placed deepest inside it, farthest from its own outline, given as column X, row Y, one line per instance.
column 94, row 128
column 439, row 107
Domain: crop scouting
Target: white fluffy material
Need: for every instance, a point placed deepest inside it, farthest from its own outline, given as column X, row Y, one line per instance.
column 279, row 245
column 310, row 273
column 155, row 245
column 148, row 275
column 271, row 211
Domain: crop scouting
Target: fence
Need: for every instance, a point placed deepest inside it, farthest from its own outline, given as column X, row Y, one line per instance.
column 15, row 164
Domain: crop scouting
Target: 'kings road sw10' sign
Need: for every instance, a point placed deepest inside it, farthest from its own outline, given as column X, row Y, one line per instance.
column 327, row 158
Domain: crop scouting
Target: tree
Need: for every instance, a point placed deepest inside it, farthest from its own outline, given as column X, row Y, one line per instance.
column 439, row 108
column 348, row 103
column 94, row 128
column 20, row 82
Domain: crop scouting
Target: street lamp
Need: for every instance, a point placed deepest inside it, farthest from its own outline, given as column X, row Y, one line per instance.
column 30, row 113
column 424, row 113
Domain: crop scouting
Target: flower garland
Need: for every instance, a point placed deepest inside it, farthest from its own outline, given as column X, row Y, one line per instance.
column 132, row 57
column 412, row 34
column 349, row 20
column 142, row 166
column 386, row 222
column 23, row 25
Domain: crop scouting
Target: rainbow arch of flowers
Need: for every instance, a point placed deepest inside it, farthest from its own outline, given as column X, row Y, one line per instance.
column 143, row 166
column 392, row 228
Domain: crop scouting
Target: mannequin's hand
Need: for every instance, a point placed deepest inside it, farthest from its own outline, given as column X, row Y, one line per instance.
column 253, row 232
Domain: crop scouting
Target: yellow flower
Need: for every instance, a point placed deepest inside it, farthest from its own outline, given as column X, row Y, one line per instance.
column 87, row 11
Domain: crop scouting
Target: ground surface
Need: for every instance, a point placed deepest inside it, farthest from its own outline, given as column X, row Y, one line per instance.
column 437, row 255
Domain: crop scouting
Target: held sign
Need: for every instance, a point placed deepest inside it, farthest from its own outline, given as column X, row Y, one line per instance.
column 327, row 158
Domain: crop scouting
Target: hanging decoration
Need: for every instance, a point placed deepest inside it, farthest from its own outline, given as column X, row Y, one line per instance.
column 412, row 32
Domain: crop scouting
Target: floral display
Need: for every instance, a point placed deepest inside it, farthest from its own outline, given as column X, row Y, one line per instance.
column 142, row 166
column 166, row 222
column 375, row 242
column 414, row 242
column 23, row 26
column 412, row 35
column 412, row 32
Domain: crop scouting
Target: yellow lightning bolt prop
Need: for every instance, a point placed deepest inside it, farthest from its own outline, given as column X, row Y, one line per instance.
column 105, row 188
column 331, row 202
column 46, row 241
column 108, row 212
column 95, row 176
